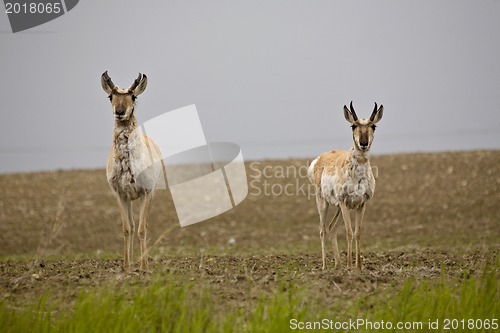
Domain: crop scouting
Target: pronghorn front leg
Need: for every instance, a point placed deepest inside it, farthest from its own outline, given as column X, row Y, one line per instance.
column 323, row 213
column 348, row 231
column 128, row 231
column 360, row 212
column 143, row 229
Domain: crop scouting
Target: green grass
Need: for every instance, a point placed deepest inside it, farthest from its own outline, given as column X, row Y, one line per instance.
column 168, row 306
column 159, row 307
column 465, row 306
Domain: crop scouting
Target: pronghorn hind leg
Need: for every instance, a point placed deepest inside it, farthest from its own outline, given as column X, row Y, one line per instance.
column 143, row 228
column 333, row 227
column 360, row 212
column 128, row 232
column 348, row 230
column 323, row 213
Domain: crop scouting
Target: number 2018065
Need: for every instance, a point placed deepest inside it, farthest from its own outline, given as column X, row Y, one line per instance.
column 471, row 324
column 32, row 8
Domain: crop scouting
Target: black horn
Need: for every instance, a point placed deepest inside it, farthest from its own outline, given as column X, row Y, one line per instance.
column 353, row 112
column 136, row 82
column 374, row 112
column 107, row 80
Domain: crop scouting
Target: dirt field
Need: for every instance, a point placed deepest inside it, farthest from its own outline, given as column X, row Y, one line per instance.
column 431, row 213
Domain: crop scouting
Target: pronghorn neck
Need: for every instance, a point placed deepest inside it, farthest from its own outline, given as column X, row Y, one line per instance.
column 361, row 157
column 122, row 132
column 124, row 128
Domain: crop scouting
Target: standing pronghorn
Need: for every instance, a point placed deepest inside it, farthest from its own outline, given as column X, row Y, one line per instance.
column 132, row 170
column 345, row 179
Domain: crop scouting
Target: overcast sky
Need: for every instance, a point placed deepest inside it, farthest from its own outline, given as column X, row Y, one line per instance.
column 271, row 76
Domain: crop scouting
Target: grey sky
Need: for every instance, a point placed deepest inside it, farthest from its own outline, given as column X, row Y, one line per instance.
column 271, row 76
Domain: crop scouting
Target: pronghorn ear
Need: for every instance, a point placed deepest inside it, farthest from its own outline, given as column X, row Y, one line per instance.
column 349, row 116
column 106, row 83
column 139, row 85
column 377, row 114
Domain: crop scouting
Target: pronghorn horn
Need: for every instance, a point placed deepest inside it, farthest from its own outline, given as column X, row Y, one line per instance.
column 107, row 80
column 372, row 117
column 353, row 112
column 136, row 82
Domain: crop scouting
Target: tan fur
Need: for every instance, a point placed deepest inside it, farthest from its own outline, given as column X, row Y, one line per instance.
column 345, row 179
column 133, row 169
column 328, row 162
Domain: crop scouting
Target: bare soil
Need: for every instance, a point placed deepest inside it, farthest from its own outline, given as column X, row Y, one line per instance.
column 432, row 213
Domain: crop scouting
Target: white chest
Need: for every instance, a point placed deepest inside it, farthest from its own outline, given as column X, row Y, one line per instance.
column 352, row 185
column 129, row 158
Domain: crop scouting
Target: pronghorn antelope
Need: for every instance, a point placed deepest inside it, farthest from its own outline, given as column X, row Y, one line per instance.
column 345, row 179
column 131, row 169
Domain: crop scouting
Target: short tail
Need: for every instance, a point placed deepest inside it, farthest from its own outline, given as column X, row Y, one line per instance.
column 310, row 171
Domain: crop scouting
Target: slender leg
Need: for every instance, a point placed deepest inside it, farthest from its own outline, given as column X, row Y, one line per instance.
column 333, row 227
column 348, row 230
column 323, row 213
column 143, row 229
column 360, row 212
column 128, row 231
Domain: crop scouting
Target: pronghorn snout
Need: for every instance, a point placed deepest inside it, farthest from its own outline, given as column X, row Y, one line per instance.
column 123, row 106
column 363, row 143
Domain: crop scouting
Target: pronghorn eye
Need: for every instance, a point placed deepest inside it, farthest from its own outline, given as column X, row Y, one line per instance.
column 354, row 127
column 373, row 127
column 134, row 98
column 110, row 97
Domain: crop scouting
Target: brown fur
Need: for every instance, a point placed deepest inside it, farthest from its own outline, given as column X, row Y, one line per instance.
column 344, row 179
column 132, row 170
column 329, row 161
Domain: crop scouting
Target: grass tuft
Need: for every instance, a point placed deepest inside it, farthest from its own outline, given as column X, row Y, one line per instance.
column 448, row 303
column 167, row 306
